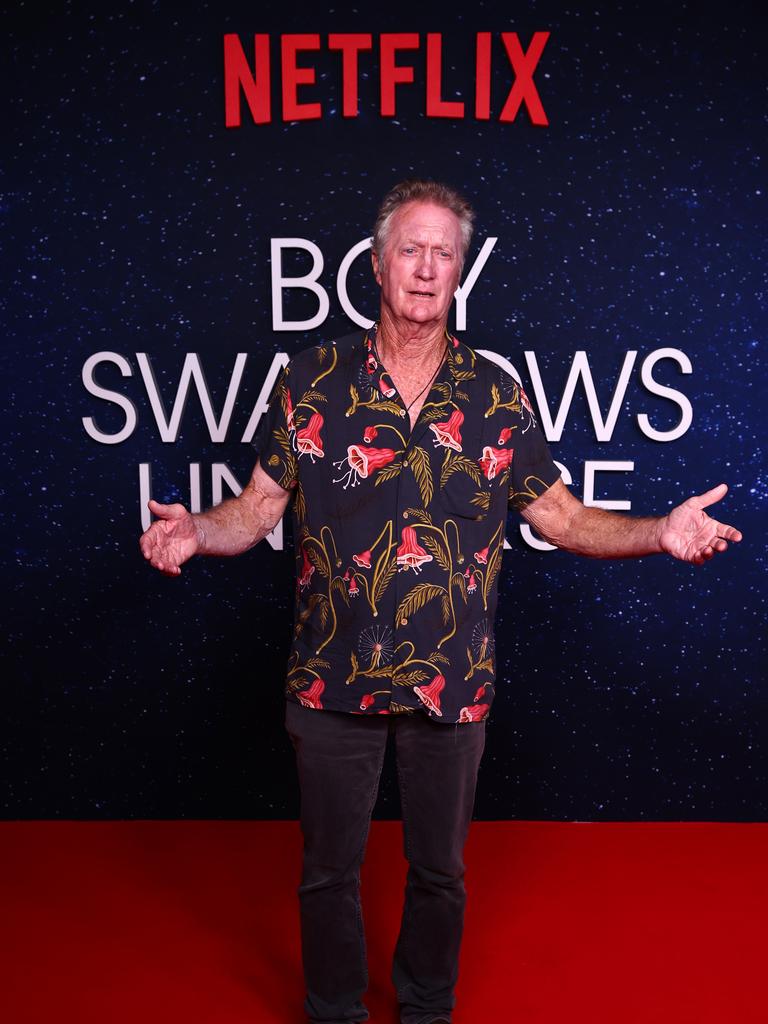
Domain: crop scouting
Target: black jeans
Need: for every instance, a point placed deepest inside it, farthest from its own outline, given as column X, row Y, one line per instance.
column 339, row 758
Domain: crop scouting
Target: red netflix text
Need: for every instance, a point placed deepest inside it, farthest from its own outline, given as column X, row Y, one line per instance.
column 253, row 82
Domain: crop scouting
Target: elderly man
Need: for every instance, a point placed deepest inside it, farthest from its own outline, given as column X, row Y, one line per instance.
column 401, row 450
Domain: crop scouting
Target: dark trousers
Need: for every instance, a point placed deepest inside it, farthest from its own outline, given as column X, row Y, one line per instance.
column 339, row 758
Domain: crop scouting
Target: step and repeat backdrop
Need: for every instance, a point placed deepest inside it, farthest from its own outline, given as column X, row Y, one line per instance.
column 187, row 198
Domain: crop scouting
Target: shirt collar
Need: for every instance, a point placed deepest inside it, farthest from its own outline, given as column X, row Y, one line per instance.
column 460, row 359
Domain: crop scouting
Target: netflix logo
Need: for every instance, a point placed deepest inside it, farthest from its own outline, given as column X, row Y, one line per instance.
column 249, row 79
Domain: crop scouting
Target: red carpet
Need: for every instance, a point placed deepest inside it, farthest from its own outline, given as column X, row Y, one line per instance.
column 195, row 922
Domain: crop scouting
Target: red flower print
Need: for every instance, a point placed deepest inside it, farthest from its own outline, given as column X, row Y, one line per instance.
column 495, row 460
column 410, row 554
column 366, row 701
column 363, row 559
column 526, row 402
column 473, row 713
column 362, row 462
column 386, row 386
column 308, row 440
column 448, row 434
column 370, row 363
column 288, row 410
column 306, row 571
column 369, row 434
column 482, row 556
column 430, row 695
column 311, row 698
column 505, row 435
column 354, row 590
column 481, row 692
column 471, row 582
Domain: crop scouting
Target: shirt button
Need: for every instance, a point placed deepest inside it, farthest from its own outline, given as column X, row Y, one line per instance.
column 405, row 515
column 402, row 412
column 405, row 462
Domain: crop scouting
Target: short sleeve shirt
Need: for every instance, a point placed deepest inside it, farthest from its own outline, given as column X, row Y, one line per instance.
column 399, row 532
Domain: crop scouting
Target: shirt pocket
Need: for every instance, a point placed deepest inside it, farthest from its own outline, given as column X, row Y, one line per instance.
column 465, row 487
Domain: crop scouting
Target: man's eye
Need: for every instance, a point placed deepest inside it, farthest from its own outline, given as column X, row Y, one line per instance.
column 409, row 250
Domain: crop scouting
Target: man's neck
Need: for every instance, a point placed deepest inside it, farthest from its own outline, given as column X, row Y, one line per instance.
column 407, row 345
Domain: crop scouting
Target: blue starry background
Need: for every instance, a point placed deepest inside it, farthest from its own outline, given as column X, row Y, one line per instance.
column 134, row 222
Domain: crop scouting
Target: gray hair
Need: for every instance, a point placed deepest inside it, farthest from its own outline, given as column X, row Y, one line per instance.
column 421, row 190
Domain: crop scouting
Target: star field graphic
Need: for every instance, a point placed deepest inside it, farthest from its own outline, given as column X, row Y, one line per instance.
column 134, row 222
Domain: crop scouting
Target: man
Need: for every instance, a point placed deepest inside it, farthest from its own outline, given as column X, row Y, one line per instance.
column 402, row 449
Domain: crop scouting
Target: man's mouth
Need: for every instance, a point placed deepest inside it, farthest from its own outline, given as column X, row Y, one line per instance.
column 423, row 295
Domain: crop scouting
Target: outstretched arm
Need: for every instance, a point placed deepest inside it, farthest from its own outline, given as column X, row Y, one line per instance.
column 230, row 528
column 687, row 532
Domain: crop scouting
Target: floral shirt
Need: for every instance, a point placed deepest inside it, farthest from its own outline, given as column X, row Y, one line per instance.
column 399, row 533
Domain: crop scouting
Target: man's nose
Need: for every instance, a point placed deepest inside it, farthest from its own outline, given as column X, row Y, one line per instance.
column 425, row 268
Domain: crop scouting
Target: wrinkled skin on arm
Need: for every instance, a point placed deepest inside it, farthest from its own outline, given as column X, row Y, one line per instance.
column 228, row 529
column 686, row 533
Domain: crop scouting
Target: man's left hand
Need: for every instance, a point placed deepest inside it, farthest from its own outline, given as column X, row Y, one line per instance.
column 689, row 534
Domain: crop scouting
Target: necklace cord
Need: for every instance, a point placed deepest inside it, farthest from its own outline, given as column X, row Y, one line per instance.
column 429, row 383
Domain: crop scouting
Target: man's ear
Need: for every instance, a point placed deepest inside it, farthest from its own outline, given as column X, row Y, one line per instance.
column 376, row 267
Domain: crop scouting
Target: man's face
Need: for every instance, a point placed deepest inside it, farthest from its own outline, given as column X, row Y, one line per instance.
column 421, row 263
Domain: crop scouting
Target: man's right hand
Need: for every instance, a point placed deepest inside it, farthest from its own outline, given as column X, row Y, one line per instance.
column 171, row 540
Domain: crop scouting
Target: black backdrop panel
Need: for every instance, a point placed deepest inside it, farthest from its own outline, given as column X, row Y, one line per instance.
column 138, row 229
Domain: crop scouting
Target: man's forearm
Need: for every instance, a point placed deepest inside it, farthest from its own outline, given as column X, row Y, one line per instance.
column 598, row 533
column 236, row 525
column 562, row 520
column 687, row 532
